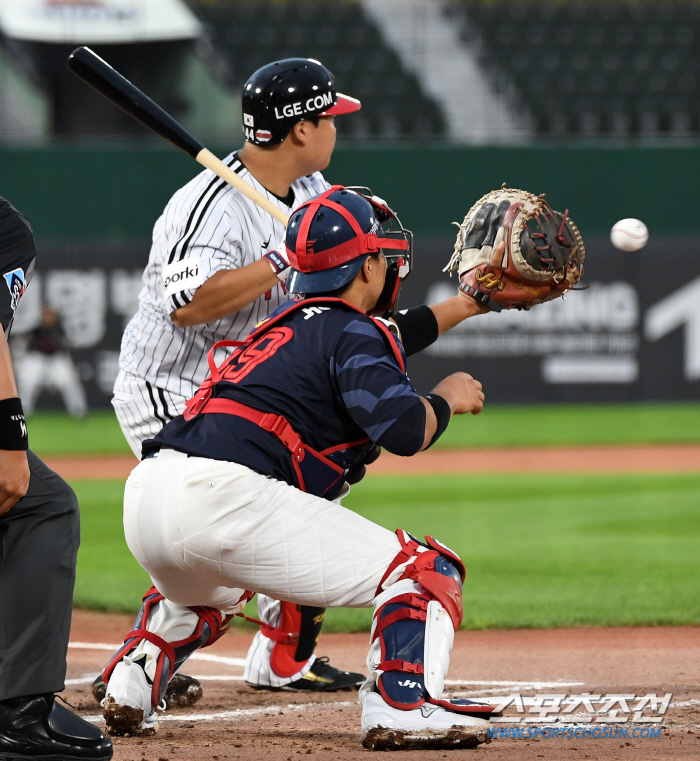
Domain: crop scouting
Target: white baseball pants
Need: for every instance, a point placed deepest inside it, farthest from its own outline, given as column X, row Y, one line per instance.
column 142, row 410
column 207, row 530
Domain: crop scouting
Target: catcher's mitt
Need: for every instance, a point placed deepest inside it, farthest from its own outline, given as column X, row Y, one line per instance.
column 543, row 256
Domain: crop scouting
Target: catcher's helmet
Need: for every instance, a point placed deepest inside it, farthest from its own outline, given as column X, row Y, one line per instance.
column 330, row 236
column 282, row 93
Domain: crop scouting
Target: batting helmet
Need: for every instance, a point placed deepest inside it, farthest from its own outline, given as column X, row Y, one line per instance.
column 330, row 236
column 283, row 93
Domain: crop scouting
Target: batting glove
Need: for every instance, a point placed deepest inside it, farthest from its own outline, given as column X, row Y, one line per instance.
column 277, row 259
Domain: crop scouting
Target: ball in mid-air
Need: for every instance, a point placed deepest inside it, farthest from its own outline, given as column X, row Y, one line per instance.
column 629, row 235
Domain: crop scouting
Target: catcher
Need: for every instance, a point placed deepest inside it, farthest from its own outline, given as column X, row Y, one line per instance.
column 223, row 501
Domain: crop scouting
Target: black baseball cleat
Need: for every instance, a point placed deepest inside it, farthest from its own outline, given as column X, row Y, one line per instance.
column 37, row 727
column 182, row 691
column 321, row 677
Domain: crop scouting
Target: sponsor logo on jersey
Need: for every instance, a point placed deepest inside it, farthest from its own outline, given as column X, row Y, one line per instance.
column 316, row 104
column 15, row 282
column 184, row 275
column 248, row 120
column 309, row 312
column 263, row 135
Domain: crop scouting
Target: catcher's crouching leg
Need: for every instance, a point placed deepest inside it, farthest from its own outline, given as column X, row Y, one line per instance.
column 138, row 674
column 418, row 607
column 281, row 656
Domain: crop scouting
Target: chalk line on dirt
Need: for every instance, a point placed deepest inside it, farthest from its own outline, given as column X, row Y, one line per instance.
column 240, row 662
column 228, row 661
column 241, row 713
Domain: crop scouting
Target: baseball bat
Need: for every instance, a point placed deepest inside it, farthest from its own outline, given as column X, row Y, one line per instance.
column 87, row 65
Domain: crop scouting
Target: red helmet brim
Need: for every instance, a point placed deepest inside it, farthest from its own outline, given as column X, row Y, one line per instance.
column 344, row 105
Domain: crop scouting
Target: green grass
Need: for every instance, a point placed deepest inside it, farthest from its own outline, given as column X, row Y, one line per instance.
column 541, row 550
column 56, row 433
column 574, row 424
column 52, row 433
column 108, row 577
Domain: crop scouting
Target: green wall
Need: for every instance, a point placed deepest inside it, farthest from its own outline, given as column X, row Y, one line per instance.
column 116, row 191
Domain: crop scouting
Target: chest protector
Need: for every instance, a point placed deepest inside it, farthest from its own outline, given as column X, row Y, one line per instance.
column 315, row 472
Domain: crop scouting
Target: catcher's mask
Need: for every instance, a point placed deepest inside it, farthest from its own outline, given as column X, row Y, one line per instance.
column 330, row 237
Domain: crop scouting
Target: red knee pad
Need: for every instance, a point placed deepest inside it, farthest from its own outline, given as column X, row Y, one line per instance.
column 416, row 561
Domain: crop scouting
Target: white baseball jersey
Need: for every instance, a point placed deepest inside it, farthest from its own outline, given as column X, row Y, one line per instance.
column 206, row 227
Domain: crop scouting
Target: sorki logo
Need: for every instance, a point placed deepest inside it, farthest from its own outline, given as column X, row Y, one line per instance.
column 263, row 135
column 317, row 103
column 179, row 277
column 15, row 282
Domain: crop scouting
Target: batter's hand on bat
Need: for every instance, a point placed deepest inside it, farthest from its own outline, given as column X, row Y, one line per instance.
column 462, row 392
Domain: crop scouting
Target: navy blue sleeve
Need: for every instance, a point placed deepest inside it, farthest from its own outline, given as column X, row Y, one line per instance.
column 376, row 393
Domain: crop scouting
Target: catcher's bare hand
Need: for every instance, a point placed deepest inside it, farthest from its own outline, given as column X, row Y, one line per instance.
column 462, row 392
column 14, row 478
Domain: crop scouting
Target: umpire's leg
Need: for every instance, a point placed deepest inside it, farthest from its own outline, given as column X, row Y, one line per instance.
column 39, row 540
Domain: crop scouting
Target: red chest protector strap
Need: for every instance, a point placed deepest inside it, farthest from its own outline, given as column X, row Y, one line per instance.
column 202, row 403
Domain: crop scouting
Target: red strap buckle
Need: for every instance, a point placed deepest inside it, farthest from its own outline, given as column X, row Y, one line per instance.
column 399, row 665
column 284, row 638
column 281, row 428
column 197, row 403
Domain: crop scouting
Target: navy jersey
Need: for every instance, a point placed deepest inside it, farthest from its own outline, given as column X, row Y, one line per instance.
column 17, row 256
column 331, row 372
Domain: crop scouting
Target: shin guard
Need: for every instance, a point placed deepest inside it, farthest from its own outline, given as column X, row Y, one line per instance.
column 210, row 625
column 418, row 609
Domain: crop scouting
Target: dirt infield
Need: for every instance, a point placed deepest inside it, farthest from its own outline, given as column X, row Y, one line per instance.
column 628, row 459
column 232, row 721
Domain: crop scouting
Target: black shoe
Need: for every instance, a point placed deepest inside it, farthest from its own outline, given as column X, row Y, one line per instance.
column 322, row 677
column 38, row 728
column 182, row 691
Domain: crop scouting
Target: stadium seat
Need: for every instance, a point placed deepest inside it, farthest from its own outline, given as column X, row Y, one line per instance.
column 591, row 67
column 246, row 34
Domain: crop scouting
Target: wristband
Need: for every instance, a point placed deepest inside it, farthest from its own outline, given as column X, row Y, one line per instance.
column 13, row 427
column 443, row 413
column 279, row 266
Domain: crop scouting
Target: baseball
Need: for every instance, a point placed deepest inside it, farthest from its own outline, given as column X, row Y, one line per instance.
column 629, row 235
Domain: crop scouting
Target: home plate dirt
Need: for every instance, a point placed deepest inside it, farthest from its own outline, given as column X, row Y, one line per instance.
column 639, row 459
column 233, row 721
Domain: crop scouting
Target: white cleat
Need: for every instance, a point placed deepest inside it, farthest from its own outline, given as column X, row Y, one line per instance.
column 127, row 704
column 428, row 727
